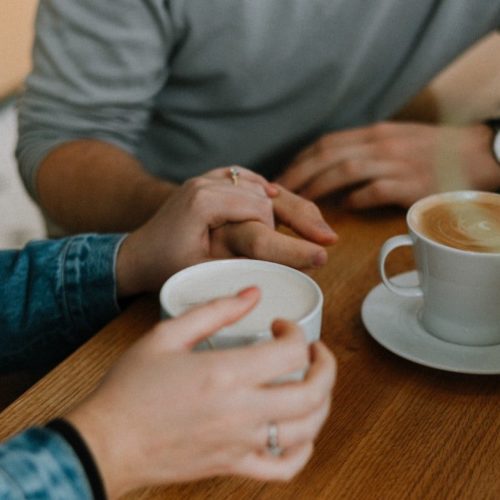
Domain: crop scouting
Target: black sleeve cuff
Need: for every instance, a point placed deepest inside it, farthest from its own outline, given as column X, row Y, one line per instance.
column 72, row 436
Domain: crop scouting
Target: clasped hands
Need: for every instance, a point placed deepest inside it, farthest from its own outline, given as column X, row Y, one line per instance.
column 208, row 217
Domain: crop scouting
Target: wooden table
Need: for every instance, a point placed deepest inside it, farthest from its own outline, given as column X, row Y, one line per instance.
column 396, row 430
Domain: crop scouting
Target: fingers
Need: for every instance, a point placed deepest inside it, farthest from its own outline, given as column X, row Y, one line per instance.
column 327, row 150
column 304, row 217
column 217, row 203
column 296, row 432
column 244, row 174
column 299, row 431
column 296, row 400
column 380, row 142
column 345, row 174
column 384, row 191
column 266, row 467
column 257, row 241
column 234, row 204
column 202, row 321
column 287, row 353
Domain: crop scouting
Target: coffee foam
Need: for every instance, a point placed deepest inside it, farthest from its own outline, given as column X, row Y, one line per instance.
column 465, row 224
column 283, row 294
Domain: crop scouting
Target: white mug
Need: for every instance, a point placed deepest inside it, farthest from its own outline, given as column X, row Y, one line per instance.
column 457, row 255
column 285, row 293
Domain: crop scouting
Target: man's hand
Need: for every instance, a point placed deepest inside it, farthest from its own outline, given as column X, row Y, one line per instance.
column 394, row 163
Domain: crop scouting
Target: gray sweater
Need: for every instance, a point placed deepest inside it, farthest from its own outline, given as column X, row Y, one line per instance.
column 188, row 85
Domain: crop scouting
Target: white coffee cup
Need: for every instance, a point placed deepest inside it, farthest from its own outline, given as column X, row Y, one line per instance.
column 285, row 293
column 456, row 245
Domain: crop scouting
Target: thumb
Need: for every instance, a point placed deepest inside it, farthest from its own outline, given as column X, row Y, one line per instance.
column 202, row 321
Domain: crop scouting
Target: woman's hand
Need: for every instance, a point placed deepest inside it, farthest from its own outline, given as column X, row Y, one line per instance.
column 178, row 235
column 209, row 217
column 166, row 414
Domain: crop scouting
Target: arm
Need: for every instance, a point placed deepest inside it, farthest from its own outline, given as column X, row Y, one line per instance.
column 53, row 296
column 135, row 436
column 97, row 69
column 89, row 185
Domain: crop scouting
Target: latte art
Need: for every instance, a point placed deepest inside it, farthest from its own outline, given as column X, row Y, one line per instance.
column 471, row 225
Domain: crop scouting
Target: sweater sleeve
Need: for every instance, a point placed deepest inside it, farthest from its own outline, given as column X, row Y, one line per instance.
column 97, row 68
column 39, row 463
column 54, row 295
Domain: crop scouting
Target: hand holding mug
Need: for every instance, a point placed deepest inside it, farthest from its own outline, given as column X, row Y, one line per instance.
column 167, row 414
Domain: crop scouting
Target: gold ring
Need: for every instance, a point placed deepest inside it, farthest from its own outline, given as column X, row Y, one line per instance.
column 234, row 172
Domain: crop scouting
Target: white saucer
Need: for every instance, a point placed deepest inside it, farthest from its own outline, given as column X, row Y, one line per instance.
column 393, row 322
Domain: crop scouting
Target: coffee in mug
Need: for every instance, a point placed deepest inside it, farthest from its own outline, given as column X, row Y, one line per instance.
column 456, row 245
column 469, row 224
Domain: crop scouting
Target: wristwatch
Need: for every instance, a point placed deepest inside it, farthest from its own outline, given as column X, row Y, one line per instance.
column 494, row 124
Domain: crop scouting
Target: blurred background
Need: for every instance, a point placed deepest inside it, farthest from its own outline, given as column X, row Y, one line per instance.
column 468, row 90
column 20, row 220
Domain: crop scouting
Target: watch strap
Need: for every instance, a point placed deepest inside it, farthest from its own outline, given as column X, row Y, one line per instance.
column 494, row 125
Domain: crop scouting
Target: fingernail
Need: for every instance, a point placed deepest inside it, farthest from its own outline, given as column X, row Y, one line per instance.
column 273, row 190
column 247, row 292
column 320, row 259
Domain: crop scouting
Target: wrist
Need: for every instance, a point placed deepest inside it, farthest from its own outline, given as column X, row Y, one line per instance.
column 107, row 452
column 137, row 268
column 73, row 438
column 150, row 193
column 128, row 280
column 480, row 164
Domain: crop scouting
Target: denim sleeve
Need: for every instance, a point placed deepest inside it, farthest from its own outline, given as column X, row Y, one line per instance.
column 53, row 296
column 39, row 464
column 98, row 67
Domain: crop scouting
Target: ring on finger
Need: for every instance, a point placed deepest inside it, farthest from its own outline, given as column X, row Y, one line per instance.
column 234, row 173
column 272, row 444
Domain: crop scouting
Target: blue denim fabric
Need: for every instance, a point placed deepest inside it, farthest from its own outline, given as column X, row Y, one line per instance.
column 53, row 296
column 40, row 464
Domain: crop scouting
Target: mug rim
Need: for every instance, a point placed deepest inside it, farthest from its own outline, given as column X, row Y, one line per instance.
column 460, row 194
column 262, row 264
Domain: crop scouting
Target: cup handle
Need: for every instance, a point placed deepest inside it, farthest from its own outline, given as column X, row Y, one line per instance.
column 403, row 240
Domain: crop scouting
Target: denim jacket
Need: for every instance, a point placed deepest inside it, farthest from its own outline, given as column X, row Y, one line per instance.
column 53, row 296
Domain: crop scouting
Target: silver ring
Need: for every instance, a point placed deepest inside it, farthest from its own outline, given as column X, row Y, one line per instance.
column 234, row 172
column 272, row 439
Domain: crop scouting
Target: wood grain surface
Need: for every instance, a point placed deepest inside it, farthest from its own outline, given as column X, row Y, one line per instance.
column 396, row 430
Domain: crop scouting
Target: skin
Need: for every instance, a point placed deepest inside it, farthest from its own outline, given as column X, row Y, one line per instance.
column 88, row 185
column 160, row 391
column 207, row 413
column 210, row 218
column 393, row 163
